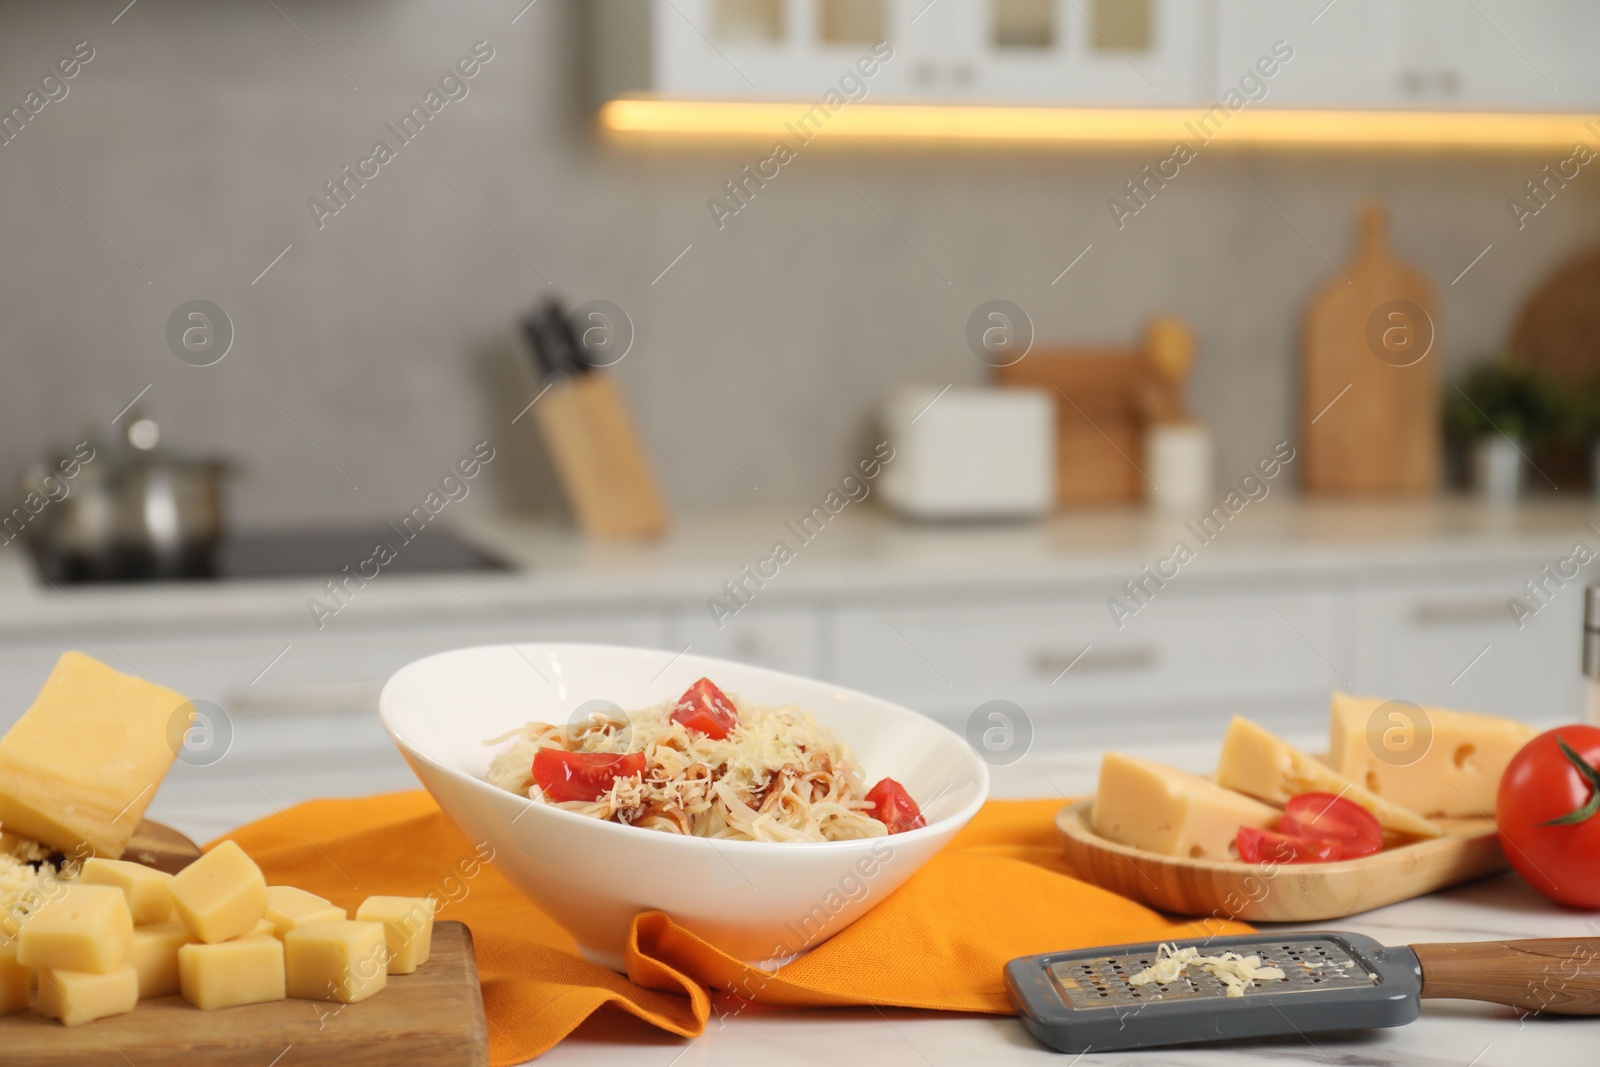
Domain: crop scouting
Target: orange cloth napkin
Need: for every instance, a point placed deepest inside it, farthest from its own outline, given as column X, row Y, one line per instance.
column 998, row 891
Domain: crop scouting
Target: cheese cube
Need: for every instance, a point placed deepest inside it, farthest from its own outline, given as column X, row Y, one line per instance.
column 1160, row 809
column 221, row 895
column 13, row 979
column 225, row 975
column 341, row 960
column 154, row 957
column 78, row 997
column 79, row 768
column 262, row 928
column 1456, row 775
column 288, row 907
column 407, row 928
column 148, row 890
column 85, row 928
column 1257, row 762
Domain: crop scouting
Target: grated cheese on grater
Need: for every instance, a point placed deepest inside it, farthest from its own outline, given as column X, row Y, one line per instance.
column 1234, row 971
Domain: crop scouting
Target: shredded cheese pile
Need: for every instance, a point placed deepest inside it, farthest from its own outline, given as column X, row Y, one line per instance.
column 26, row 881
column 778, row 776
column 1234, row 971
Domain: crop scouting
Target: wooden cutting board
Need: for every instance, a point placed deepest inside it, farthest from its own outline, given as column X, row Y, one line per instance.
column 1369, row 376
column 432, row 1018
column 1558, row 329
column 1300, row 892
column 156, row 845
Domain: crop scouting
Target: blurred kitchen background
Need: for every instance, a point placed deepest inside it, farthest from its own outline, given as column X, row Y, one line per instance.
column 751, row 360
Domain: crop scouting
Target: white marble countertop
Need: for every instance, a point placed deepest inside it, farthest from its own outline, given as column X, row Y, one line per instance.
column 554, row 568
column 1449, row 1032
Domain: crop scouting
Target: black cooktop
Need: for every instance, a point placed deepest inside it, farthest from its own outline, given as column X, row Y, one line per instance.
column 294, row 554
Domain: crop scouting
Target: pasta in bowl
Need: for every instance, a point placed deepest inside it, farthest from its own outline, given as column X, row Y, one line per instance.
column 762, row 871
column 705, row 765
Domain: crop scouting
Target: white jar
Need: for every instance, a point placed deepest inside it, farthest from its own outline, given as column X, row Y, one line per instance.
column 1179, row 456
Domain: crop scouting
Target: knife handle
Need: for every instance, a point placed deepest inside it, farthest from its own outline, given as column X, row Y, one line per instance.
column 1557, row 975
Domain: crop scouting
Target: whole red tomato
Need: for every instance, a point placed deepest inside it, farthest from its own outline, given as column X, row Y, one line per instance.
column 1548, row 814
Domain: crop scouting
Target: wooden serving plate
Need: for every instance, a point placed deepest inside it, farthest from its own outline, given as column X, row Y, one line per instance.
column 431, row 1018
column 1299, row 892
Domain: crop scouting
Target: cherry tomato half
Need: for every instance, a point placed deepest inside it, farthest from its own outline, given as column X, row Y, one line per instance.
column 1326, row 817
column 1546, row 814
column 1265, row 846
column 893, row 807
column 566, row 776
column 707, row 709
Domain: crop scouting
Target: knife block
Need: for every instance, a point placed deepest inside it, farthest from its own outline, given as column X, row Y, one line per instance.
column 598, row 458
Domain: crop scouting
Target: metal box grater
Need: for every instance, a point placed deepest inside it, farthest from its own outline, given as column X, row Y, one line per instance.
column 1083, row 1001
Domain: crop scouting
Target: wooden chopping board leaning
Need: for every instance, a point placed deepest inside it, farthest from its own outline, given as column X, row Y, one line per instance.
column 1369, row 375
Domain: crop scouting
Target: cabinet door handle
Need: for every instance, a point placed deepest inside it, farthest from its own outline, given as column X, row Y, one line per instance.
column 1053, row 663
column 302, row 699
column 1460, row 612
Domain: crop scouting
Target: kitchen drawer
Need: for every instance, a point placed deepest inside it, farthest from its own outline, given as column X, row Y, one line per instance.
column 1066, row 657
column 784, row 639
column 1456, row 643
column 275, row 670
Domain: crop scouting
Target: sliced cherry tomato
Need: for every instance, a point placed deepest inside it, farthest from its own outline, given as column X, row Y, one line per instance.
column 1264, row 846
column 893, row 807
column 582, row 775
column 1326, row 817
column 706, row 708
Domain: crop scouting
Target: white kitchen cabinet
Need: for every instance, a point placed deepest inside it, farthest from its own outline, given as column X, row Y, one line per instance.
column 1455, row 643
column 783, row 638
column 1188, row 654
column 1421, row 54
column 1418, row 54
column 300, row 670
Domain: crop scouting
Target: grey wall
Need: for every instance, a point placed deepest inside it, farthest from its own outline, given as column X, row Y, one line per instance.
column 195, row 136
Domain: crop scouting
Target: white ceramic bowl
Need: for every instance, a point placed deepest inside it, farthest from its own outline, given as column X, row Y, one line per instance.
column 757, row 901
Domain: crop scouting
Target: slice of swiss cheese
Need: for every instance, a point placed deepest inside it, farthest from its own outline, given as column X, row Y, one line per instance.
column 79, row 768
column 1457, row 773
column 1165, row 810
column 1264, row 765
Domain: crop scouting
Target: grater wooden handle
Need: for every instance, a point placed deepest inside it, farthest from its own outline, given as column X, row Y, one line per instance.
column 1560, row 976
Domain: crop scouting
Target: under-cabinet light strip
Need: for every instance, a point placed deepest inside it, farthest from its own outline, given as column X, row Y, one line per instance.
column 642, row 118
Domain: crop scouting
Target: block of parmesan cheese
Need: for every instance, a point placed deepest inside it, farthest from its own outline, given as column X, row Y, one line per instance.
column 1457, row 774
column 1258, row 762
column 14, row 979
column 1161, row 809
column 79, row 768
column 78, row 997
column 220, row 896
column 148, row 890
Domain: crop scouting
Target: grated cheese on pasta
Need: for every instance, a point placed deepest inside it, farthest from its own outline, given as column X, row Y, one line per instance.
column 779, row 775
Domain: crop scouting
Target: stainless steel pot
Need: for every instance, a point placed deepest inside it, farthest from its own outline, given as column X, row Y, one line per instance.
column 130, row 512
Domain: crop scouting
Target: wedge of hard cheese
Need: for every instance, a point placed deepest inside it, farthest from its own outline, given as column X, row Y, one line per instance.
column 1161, row 809
column 1457, row 773
column 79, row 768
column 1258, row 762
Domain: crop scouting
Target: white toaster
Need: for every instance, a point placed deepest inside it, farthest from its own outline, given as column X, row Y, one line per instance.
column 969, row 452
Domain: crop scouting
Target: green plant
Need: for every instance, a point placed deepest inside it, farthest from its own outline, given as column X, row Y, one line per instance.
column 1509, row 396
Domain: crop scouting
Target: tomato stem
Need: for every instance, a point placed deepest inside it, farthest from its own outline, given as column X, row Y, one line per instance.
column 1590, row 775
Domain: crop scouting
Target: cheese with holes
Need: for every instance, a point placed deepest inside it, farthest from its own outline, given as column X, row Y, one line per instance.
column 1258, row 762
column 288, row 907
column 407, row 928
column 1441, row 763
column 148, row 890
column 344, row 961
column 154, row 957
column 79, row 768
column 221, row 895
column 248, row 970
column 84, row 928
column 78, row 997
column 14, row 980
column 1160, row 809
